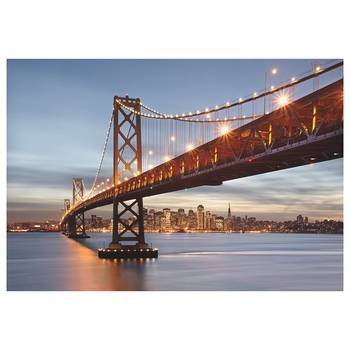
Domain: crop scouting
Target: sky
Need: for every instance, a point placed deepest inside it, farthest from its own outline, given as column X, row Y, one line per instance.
column 57, row 116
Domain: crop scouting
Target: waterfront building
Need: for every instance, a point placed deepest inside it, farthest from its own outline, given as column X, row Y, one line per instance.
column 213, row 222
column 99, row 223
column 208, row 220
column 163, row 226
column 192, row 220
column 219, row 223
column 93, row 221
column 181, row 219
column 299, row 220
column 200, row 217
column 167, row 216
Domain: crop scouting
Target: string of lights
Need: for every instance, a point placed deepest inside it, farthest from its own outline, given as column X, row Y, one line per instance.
column 102, row 157
column 317, row 71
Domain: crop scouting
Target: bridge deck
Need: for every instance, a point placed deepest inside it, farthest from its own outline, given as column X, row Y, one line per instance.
column 308, row 130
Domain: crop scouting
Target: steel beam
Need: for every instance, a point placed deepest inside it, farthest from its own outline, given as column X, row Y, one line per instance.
column 127, row 163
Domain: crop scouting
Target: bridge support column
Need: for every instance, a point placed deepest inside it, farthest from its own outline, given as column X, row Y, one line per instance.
column 76, row 223
column 128, row 223
column 128, row 226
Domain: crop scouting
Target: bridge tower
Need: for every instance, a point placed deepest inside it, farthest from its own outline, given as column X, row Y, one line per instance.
column 128, row 225
column 76, row 223
column 66, row 207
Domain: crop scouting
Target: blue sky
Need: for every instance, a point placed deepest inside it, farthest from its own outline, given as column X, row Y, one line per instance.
column 58, row 112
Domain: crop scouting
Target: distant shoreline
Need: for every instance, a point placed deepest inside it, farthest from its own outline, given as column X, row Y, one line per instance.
column 202, row 232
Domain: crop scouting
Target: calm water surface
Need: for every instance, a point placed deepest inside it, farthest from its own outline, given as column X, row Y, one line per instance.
column 199, row 261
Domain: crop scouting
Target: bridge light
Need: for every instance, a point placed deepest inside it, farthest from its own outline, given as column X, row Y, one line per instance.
column 208, row 116
column 227, row 103
column 318, row 68
column 125, row 178
column 172, row 138
column 255, row 94
column 282, row 100
column 150, row 152
column 224, row 130
column 107, row 180
column 272, row 87
column 312, row 158
column 274, row 71
column 189, row 147
column 335, row 153
column 167, row 158
column 293, row 79
column 240, row 100
column 207, row 109
column 150, row 166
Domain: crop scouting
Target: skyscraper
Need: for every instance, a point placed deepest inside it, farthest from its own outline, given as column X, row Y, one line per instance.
column 192, row 220
column 208, row 220
column 181, row 218
column 200, row 217
column 93, row 221
column 167, row 215
column 300, row 220
column 229, row 221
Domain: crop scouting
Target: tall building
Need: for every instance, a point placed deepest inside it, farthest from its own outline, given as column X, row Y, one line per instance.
column 181, row 218
column 208, row 220
column 163, row 226
column 173, row 219
column 228, row 223
column 157, row 220
column 300, row 220
column 167, row 215
column 93, row 221
column 151, row 219
column 200, row 217
column 213, row 222
column 192, row 220
column 219, row 223
column 99, row 222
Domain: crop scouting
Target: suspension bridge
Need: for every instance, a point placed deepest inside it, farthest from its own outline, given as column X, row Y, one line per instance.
column 294, row 123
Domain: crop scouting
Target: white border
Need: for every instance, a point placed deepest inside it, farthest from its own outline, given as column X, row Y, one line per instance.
column 157, row 29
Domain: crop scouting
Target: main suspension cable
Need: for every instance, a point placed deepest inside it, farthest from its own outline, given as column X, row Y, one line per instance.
column 154, row 114
column 102, row 157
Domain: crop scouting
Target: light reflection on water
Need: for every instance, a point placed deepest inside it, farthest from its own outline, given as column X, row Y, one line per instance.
column 50, row 261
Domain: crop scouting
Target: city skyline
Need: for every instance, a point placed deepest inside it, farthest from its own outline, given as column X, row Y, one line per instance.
column 45, row 150
column 198, row 219
column 228, row 213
